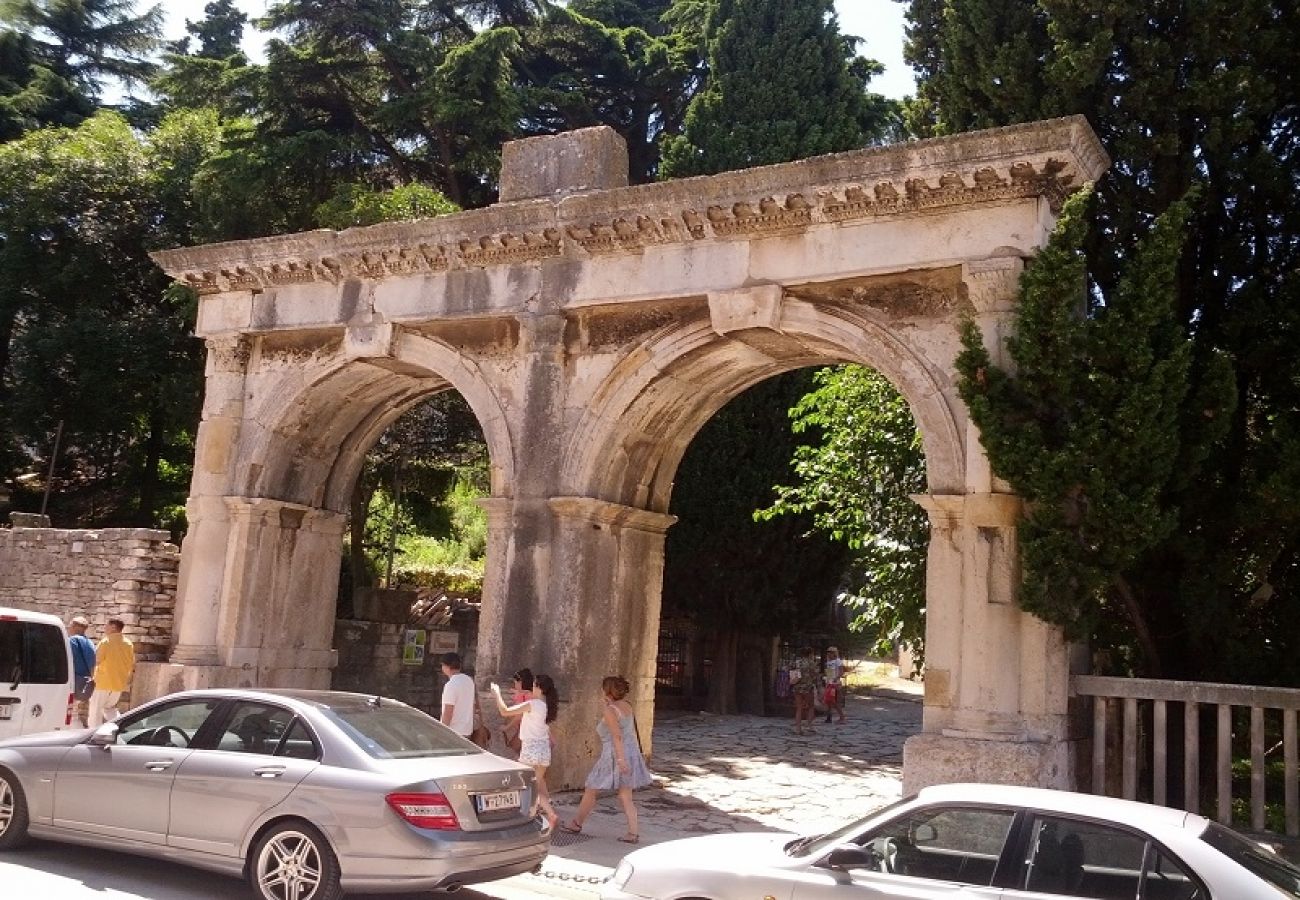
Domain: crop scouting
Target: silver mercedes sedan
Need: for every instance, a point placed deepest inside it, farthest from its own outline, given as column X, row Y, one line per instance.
column 304, row 793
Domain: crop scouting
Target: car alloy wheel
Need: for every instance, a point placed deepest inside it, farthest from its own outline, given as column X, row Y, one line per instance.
column 13, row 812
column 295, row 862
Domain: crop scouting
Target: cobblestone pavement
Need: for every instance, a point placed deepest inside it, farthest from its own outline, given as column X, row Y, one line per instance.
column 739, row 773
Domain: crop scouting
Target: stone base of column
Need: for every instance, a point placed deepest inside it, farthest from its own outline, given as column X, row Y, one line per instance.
column 938, row 758
column 154, row 679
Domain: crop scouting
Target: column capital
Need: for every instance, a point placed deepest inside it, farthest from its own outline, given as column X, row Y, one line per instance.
column 992, row 285
column 976, row 510
column 228, row 353
column 610, row 515
column 305, row 518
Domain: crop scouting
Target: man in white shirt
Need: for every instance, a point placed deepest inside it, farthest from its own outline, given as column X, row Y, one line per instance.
column 457, row 697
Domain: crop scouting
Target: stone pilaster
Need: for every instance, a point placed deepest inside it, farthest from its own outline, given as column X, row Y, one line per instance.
column 992, row 287
column 997, row 678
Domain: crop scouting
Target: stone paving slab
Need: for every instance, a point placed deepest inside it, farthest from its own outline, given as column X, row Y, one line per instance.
column 719, row 774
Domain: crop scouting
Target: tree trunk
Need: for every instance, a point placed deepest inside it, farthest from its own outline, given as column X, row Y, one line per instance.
column 722, row 679
column 147, row 498
column 358, row 509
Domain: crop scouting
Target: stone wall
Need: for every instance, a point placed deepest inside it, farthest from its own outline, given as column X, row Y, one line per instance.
column 124, row 573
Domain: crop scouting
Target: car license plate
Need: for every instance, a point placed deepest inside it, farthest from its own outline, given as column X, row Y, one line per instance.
column 497, row 801
column 6, row 710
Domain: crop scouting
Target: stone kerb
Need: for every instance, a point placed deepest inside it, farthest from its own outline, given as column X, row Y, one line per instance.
column 126, row 573
column 1037, row 160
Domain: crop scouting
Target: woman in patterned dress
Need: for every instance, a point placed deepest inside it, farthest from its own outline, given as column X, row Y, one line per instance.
column 535, row 717
column 804, row 687
column 620, row 767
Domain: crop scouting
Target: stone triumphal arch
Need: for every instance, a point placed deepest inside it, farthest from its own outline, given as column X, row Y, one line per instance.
column 593, row 328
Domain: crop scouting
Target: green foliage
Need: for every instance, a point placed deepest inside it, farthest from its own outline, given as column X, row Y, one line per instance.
column 1088, row 430
column 91, row 334
column 726, row 569
column 1179, row 98
column 779, row 88
column 354, row 204
column 855, row 482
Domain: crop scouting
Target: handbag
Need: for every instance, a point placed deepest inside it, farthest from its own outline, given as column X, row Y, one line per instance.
column 83, row 687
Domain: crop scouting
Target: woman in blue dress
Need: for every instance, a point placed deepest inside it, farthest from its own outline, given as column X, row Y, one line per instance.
column 621, row 767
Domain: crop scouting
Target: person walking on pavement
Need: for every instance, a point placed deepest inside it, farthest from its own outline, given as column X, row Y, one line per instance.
column 620, row 766
column 83, row 663
column 457, row 697
column 535, row 716
column 114, row 664
column 835, row 670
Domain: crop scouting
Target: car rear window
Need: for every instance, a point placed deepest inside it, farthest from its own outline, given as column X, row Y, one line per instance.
column 1265, row 864
column 33, row 653
column 393, row 731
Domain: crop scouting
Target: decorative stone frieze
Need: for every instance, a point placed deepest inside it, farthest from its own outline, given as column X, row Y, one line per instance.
column 1042, row 159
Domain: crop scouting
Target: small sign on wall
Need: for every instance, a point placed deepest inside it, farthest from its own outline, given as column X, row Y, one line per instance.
column 413, row 646
column 443, row 642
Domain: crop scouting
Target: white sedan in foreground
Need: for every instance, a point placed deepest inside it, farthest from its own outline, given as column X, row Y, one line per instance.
column 972, row 842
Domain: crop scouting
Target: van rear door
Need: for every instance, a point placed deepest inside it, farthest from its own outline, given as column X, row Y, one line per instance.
column 35, row 676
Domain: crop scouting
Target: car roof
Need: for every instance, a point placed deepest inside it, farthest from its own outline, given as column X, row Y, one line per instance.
column 27, row 615
column 1144, row 815
column 320, row 699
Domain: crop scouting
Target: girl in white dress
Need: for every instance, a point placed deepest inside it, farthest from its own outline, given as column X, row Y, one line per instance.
column 536, row 715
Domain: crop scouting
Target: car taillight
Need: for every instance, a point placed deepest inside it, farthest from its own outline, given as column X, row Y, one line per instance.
column 425, row 810
column 72, row 710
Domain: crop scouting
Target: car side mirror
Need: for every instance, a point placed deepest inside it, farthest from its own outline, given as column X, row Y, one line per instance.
column 851, row 858
column 105, row 735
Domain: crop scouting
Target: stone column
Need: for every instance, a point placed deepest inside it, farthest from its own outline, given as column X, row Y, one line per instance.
column 276, row 622
column 997, row 678
column 585, row 577
column 204, row 551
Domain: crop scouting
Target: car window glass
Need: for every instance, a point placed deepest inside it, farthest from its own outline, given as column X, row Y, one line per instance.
column 1082, row 859
column 960, row 844
column 297, row 743
column 396, row 731
column 11, row 652
column 174, row 725
column 1250, row 855
column 1167, row 879
column 255, row 728
column 32, row 653
column 47, row 656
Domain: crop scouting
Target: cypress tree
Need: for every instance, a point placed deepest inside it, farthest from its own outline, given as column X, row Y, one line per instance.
column 1202, row 96
column 779, row 89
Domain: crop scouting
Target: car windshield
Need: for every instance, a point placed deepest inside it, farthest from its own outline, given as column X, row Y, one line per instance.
column 1249, row 855
column 817, row 843
column 389, row 730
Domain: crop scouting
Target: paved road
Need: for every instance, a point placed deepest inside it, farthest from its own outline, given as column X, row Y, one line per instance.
column 716, row 774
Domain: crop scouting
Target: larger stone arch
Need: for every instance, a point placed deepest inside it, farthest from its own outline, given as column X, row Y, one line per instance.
column 594, row 327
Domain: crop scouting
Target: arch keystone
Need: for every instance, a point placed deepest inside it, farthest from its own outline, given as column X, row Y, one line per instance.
column 752, row 307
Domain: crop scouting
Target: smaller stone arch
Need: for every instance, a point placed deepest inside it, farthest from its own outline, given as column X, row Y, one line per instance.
column 315, row 425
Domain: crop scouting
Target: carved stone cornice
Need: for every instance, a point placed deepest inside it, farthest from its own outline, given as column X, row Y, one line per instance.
column 1045, row 160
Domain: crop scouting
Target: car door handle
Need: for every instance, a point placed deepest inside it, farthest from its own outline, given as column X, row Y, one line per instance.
column 159, row 765
column 269, row 772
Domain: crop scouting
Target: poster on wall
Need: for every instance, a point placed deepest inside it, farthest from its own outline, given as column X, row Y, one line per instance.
column 413, row 645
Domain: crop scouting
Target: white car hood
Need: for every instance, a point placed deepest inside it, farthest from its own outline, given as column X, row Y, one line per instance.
column 718, row 851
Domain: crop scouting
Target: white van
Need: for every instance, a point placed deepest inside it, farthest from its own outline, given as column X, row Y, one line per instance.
column 36, row 691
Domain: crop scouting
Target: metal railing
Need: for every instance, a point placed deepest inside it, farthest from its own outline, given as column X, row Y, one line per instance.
column 1144, row 716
